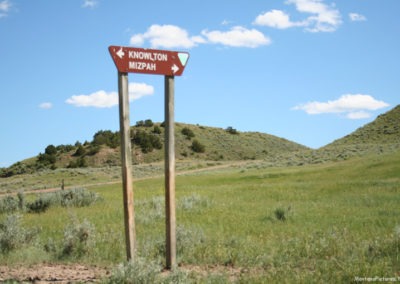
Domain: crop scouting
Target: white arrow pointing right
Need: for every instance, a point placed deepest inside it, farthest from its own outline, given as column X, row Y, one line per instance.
column 174, row 68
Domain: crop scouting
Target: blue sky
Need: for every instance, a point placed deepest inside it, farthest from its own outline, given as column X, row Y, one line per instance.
column 310, row 71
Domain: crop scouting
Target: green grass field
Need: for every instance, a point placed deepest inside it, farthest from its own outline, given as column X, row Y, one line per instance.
column 327, row 223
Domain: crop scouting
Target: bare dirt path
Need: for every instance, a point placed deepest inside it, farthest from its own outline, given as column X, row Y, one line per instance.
column 76, row 273
column 52, row 273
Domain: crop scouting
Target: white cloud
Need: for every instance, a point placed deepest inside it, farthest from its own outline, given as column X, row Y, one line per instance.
column 5, row 7
column 99, row 99
column 226, row 22
column 324, row 18
column 354, row 17
column 138, row 90
column 89, row 3
column 103, row 99
column 277, row 19
column 355, row 106
column 137, row 40
column 167, row 36
column 358, row 115
column 46, row 105
column 237, row 37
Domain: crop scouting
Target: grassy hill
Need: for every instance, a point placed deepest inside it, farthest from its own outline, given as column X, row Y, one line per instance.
column 192, row 142
column 380, row 136
column 195, row 142
column 384, row 130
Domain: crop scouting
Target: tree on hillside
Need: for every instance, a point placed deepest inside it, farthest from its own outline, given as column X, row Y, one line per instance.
column 64, row 148
column 78, row 163
column 80, row 151
column 146, row 141
column 156, row 130
column 50, row 150
column 48, row 159
column 148, row 123
column 144, row 123
column 106, row 137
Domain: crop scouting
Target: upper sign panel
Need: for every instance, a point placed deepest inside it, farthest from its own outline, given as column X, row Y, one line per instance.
column 148, row 61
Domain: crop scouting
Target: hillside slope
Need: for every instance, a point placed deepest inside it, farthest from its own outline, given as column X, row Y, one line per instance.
column 380, row 136
column 192, row 142
column 384, row 130
column 216, row 144
column 195, row 142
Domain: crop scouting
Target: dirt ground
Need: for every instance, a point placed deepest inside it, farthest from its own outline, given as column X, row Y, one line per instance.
column 50, row 273
column 75, row 273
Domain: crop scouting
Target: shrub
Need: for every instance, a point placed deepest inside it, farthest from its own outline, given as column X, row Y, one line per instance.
column 78, row 239
column 78, row 163
column 137, row 271
column 93, row 150
column 198, row 147
column 144, row 123
column 143, row 271
column 21, row 200
column 9, row 204
column 150, row 210
column 13, row 235
column 231, row 130
column 180, row 276
column 16, row 169
column 187, row 240
column 50, row 150
column 148, row 123
column 80, row 151
column 156, row 130
column 139, row 123
column 147, row 141
column 106, row 137
column 40, row 205
column 78, row 197
column 65, row 148
column 46, row 159
column 188, row 133
column 280, row 214
column 193, row 202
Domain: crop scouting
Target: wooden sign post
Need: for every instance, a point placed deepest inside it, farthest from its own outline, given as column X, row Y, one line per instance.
column 126, row 161
column 148, row 61
column 170, row 217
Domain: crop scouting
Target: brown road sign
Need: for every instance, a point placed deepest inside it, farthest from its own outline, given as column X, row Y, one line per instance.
column 148, row 61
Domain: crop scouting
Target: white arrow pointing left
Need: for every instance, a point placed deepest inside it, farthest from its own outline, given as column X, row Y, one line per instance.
column 174, row 68
column 120, row 53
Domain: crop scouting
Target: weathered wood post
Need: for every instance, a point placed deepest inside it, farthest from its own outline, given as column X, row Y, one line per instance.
column 126, row 159
column 170, row 173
